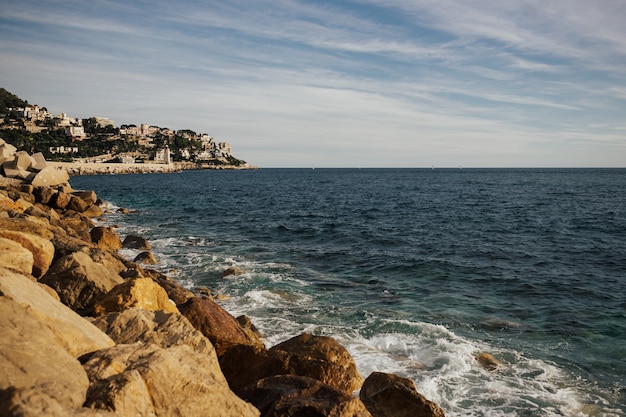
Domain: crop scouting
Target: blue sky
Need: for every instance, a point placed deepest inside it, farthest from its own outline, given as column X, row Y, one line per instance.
column 371, row 83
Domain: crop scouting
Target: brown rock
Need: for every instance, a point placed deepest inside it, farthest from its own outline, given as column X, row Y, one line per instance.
column 147, row 258
column 323, row 358
column 60, row 200
column 140, row 292
column 289, row 395
column 77, row 204
column 320, row 358
column 72, row 332
column 93, row 211
column 42, row 249
column 175, row 291
column 80, row 281
column 44, row 195
column 487, row 361
column 32, row 357
column 233, row 270
column 154, row 327
column 77, row 226
column 148, row 380
column 88, row 196
column 388, row 395
column 215, row 323
column 136, row 242
column 15, row 256
column 106, row 237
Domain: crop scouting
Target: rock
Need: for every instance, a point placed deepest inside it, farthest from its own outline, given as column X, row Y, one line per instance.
column 216, row 323
column 154, row 327
column 140, row 292
column 28, row 225
column 106, row 237
column 136, row 242
column 44, row 195
column 80, row 281
column 88, row 196
column 77, row 226
column 93, row 211
column 323, row 358
column 247, row 325
column 60, row 200
column 32, row 358
column 42, row 249
column 73, row 332
column 15, row 256
column 289, row 395
column 320, row 358
column 148, row 380
column 233, row 270
column 50, row 177
column 31, row 402
column 175, row 291
column 147, row 258
column 77, row 204
column 487, row 361
column 388, row 395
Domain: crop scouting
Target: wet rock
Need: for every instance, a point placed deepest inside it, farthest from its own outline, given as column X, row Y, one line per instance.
column 140, row 292
column 147, row 258
column 175, row 291
column 136, row 242
column 290, row 395
column 219, row 326
column 388, row 395
column 487, row 361
column 233, row 270
column 323, row 358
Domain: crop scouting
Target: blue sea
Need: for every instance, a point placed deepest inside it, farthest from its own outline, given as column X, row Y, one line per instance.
column 415, row 271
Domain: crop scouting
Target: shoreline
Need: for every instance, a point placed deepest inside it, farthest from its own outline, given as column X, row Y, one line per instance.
column 113, row 168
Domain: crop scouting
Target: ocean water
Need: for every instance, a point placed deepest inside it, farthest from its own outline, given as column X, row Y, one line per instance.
column 415, row 271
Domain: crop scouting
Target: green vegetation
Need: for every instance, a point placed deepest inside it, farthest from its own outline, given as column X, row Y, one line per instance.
column 45, row 136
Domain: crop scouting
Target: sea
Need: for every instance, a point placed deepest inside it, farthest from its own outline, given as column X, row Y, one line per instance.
column 414, row 271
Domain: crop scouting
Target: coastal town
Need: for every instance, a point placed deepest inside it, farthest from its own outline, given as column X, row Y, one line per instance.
column 97, row 145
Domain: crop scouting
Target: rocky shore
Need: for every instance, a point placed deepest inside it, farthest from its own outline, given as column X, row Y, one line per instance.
column 86, row 332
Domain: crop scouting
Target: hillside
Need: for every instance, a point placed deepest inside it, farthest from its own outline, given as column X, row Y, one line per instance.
column 8, row 99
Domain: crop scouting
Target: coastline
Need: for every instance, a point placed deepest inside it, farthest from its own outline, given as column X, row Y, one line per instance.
column 104, row 168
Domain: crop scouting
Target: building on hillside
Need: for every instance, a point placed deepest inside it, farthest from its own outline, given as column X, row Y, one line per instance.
column 163, row 156
column 63, row 149
column 75, row 132
column 104, row 121
column 224, row 148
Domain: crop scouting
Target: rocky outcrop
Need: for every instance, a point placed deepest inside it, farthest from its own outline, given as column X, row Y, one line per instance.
column 140, row 356
column 219, row 326
column 317, row 357
column 387, row 395
column 136, row 242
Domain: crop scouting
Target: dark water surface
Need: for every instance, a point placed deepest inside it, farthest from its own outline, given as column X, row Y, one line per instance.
column 414, row 271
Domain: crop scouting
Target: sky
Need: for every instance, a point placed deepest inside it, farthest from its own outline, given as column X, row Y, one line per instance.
column 369, row 83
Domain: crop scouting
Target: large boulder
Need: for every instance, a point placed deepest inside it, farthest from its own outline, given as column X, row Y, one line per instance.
column 175, row 291
column 72, row 332
column 146, row 380
column 32, row 357
column 106, row 237
column 326, row 359
column 15, row 256
column 217, row 324
column 289, row 395
column 31, row 402
column 136, row 242
column 317, row 357
column 42, row 249
column 80, row 281
column 140, row 292
column 388, row 395
column 154, row 327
